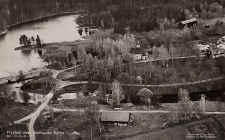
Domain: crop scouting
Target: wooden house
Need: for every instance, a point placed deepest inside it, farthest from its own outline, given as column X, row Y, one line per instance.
column 115, row 117
column 190, row 23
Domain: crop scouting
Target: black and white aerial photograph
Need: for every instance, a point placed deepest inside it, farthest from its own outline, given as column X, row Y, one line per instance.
column 112, row 69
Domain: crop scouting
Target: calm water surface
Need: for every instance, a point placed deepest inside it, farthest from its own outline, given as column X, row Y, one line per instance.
column 54, row 30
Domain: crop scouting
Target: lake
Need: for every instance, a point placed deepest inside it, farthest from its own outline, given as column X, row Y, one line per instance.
column 57, row 29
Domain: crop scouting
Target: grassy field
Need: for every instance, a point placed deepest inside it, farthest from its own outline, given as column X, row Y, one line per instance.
column 211, row 106
column 181, row 131
column 210, row 21
column 142, row 123
column 67, row 123
column 54, row 48
column 16, row 112
column 70, row 122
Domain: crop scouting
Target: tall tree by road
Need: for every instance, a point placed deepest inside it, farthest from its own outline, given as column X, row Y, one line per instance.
column 117, row 93
column 92, row 115
column 26, row 97
column 163, row 54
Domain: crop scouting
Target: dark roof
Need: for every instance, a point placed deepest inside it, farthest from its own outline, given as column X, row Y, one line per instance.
column 180, row 132
column 115, row 116
column 137, row 51
column 144, row 54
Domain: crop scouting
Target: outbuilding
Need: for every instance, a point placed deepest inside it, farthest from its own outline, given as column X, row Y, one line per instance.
column 188, row 23
column 115, row 117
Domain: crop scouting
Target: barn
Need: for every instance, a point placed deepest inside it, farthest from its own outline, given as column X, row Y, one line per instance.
column 115, row 117
column 190, row 23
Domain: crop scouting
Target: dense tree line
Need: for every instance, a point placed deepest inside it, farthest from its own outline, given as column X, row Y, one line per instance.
column 146, row 15
column 139, row 15
column 13, row 11
column 4, row 14
column 26, row 41
column 111, row 59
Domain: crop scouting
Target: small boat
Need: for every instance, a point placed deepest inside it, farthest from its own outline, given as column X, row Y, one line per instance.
column 3, row 33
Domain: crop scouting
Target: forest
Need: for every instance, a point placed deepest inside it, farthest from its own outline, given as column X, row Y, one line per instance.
column 139, row 15
column 14, row 11
column 145, row 15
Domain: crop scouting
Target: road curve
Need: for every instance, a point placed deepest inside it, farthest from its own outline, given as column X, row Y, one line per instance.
column 39, row 109
column 35, row 114
column 67, row 83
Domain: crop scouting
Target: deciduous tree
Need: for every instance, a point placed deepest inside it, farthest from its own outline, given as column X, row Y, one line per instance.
column 38, row 41
column 26, row 97
column 145, row 95
column 163, row 54
column 185, row 106
column 5, row 94
column 21, row 76
column 117, row 93
column 92, row 115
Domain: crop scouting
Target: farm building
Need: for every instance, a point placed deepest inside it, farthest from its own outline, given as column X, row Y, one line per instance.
column 188, row 23
column 115, row 117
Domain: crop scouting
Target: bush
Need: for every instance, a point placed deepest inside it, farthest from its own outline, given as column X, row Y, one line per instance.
column 210, row 15
column 195, row 34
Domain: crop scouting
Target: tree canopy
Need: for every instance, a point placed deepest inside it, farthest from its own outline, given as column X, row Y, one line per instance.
column 145, row 95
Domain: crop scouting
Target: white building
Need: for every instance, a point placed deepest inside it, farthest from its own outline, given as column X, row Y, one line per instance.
column 139, row 53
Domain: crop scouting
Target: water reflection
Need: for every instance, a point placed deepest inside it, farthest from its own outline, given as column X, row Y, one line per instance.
column 53, row 30
column 85, row 31
column 26, row 52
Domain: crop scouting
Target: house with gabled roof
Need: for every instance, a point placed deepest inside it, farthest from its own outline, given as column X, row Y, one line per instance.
column 188, row 23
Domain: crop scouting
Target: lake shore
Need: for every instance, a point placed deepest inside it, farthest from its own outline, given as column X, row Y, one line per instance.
column 9, row 27
column 55, row 48
column 41, row 19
